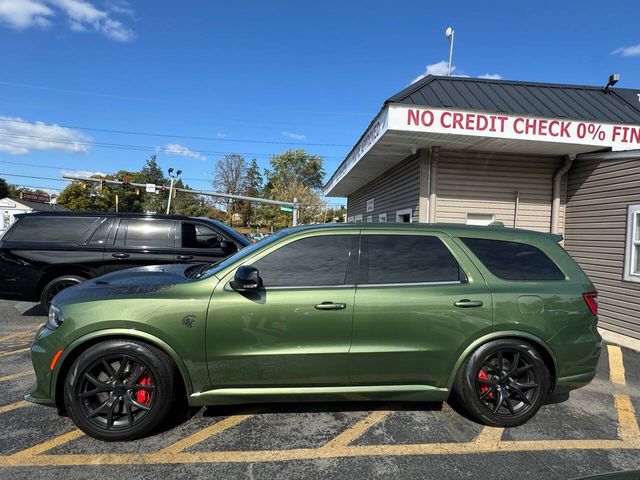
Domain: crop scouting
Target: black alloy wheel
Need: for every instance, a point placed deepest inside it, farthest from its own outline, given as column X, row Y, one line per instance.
column 503, row 383
column 120, row 389
column 116, row 391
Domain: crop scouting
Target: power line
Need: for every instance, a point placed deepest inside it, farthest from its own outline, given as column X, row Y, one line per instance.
column 188, row 137
column 144, row 148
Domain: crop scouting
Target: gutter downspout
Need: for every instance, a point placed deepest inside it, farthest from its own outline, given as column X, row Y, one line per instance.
column 557, row 183
column 433, row 166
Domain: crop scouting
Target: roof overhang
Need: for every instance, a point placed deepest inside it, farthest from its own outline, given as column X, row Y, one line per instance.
column 400, row 130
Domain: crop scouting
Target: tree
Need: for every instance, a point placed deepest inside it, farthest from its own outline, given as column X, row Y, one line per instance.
column 298, row 165
column 295, row 174
column 85, row 197
column 230, row 177
column 253, row 188
column 4, row 188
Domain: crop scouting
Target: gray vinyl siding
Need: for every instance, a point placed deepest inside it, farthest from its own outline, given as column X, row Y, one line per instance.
column 396, row 189
column 598, row 197
column 470, row 182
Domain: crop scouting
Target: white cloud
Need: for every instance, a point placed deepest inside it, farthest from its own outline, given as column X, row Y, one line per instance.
column 19, row 137
column 491, row 76
column 81, row 15
column 83, row 173
column 630, row 51
column 295, row 136
column 121, row 7
column 177, row 149
column 440, row 68
column 221, row 135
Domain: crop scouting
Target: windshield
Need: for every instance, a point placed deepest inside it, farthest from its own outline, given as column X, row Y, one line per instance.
column 213, row 268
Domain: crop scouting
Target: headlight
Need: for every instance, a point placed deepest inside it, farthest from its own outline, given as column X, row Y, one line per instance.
column 55, row 318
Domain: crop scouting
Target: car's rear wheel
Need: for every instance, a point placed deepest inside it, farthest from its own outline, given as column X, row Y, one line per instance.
column 503, row 383
column 55, row 286
column 120, row 390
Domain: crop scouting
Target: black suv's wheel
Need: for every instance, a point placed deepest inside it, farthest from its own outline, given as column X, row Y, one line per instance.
column 119, row 390
column 55, row 286
column 503, row 383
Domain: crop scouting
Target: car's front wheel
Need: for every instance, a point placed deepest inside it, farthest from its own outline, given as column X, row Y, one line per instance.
column 120, row 389
column 503, row 383
column 55, row 286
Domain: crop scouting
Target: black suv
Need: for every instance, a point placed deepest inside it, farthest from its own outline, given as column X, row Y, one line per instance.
column 43, row 253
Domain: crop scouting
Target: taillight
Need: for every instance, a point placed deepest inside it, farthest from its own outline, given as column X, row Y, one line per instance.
column 591, row 299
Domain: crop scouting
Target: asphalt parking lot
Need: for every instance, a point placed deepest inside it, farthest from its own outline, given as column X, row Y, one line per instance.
column 594, row 431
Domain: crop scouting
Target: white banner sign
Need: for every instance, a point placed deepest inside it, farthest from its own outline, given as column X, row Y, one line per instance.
column 151, row 188
column 434, row 120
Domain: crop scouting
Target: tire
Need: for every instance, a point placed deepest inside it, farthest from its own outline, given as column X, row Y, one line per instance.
column 503, row 383
column 55, row 286
column 126, row 401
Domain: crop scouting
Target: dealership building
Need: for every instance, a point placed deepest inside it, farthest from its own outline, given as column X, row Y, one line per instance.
column 546, row 157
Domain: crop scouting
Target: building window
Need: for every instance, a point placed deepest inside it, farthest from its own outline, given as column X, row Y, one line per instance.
column 404, row 216
column 632, row 257
column 370, row 205
column 349, row 219
column 358, row 218
column 369, row 218
column 382, row 218
column 480, row 218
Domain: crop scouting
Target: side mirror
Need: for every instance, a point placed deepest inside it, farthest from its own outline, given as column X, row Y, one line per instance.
column 246, row 279
column 228, row 247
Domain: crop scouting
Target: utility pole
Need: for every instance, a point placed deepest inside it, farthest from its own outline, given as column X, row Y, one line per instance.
column 295, row 211
column 173, row 178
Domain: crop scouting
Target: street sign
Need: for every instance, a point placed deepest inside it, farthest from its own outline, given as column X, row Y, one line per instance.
column 151, row 188
column 286, row 209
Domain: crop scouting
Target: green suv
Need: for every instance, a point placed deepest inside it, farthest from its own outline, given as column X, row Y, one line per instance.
column 500, row 318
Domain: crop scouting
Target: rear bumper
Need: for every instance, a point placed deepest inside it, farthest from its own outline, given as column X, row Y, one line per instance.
column 566, row 384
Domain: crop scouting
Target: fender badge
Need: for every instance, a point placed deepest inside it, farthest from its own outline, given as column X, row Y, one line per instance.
column 189, row 320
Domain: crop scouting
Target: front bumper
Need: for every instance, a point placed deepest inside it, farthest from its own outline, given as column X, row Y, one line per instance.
column 43, row 348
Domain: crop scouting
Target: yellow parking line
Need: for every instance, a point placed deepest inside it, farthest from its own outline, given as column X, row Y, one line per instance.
column 22, row 333
column 616, row 366
column 357, row 429
column 13, row 376
column 205, row 433
column 489, row 436
column 627, row 423
column 427, row 449
column 14, row 406
column 48, row 445
column 14, row 352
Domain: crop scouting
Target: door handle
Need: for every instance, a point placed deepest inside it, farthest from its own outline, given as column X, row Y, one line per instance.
column 185, row 257
column 120, row 255
column 331, row 306
column 468, row 303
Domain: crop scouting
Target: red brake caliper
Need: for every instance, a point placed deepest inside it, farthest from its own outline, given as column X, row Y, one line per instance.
column 483, row 388
column 142, row 396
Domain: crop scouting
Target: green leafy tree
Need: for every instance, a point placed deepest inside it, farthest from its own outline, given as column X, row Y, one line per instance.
column 4, row 188
column 253, row 188
column 294, row 174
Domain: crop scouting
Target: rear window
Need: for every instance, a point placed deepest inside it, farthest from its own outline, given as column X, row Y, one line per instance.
column 514, row 260
column 51, row 229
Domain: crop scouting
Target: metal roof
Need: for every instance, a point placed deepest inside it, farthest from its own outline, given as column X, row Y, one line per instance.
column 40, row 207
column 578, row 102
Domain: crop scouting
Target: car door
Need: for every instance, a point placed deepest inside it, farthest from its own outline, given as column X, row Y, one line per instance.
column 198, row 243
column 296, row 330
column 135, row 242
column 419, row 303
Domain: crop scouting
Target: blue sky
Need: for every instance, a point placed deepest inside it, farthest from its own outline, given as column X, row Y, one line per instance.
column 260, row 77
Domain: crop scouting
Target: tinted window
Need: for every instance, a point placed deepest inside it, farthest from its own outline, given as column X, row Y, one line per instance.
column 406, row 259
column 144, row 233
column 52, row 229
column 196, row 235
column 99, row 236
column 314, row 261
column 514, row 260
